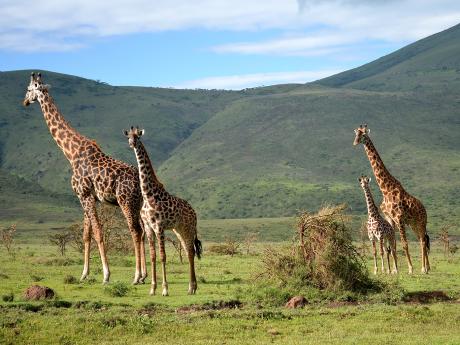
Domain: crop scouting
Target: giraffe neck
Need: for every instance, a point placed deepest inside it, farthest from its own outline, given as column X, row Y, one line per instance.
column 382, row 176
column 371, row 207
column 150, row 185
column 67, row 138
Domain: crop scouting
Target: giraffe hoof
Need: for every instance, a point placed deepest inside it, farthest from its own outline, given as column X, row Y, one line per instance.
column 192, row 289
column 165, row 292
column 152, row 292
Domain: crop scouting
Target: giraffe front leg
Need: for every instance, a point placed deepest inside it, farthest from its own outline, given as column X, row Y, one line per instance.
column 87, row 246
column 143, row 263
column 89, row 204
column 394, row 254
column 381, row 255
column 161, row 247
column 375, row 256
column 153, row 258
column 387, row 252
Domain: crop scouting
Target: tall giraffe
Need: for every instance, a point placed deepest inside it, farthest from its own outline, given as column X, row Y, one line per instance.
column 398, row 206
column 162, row 211
column 96, row 177
column 379, row 229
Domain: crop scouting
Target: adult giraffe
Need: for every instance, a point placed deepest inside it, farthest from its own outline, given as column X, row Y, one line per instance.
column 96, row 177
column 399, row 207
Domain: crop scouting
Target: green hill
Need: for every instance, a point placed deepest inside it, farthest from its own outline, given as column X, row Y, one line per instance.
column 264, row 152
column 98, row 111
column 423, row 66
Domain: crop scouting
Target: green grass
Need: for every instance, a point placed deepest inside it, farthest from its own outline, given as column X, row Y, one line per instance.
column 84, row 313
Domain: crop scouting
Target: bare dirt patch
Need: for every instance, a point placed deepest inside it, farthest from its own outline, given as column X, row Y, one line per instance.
column 423, row 297
column 37, row 292
column 219, row 305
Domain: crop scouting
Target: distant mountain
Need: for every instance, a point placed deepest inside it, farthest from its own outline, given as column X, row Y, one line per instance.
column 265, row 151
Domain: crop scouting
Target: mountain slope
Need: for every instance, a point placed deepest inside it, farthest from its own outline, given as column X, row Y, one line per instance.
column 419, row 66
column 98, row 111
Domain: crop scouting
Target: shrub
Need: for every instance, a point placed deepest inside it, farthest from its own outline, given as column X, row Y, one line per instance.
column 7, row 238
column 322, row 257
column 36, row 278
column 60, row 240
column 117, row 289
column 9, row 297
column 69, row 279
column 229, row 247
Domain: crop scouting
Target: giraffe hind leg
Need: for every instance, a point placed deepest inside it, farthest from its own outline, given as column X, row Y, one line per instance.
column 405, row 245
column 132, row 219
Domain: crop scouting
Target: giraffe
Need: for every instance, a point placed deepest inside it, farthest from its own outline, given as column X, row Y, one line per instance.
column 399, row 207
column 96, row 178
column 162, row 211
column 379, row 229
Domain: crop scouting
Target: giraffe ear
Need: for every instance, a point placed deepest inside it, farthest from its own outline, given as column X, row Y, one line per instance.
column 125, row 132
column 368, row 179
column 140, row 132
column 368, row 130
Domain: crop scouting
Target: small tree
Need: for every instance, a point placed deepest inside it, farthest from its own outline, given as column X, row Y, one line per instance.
column 177, row 246
column 7, row 237
column 61, row 240
column 76, row 239
column 444, row 238
column 249, row 240
column 116, row 236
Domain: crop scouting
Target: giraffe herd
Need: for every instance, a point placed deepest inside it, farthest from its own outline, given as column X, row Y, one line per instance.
column 150, row 210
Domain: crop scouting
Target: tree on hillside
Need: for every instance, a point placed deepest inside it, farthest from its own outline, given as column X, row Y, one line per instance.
column 7, row 237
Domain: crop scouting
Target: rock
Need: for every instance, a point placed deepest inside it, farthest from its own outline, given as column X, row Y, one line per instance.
column 37, row 292
column 296, row 302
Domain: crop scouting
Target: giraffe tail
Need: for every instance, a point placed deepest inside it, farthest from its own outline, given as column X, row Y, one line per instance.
column 198, row 248
column 427, row 241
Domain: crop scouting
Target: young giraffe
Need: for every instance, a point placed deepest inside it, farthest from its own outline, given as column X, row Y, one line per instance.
column 162, row 211
column 379, row 229
column 398, row 206
column 96, row 176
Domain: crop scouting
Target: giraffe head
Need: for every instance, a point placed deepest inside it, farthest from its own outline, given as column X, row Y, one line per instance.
column 361, row 134
column 133, row 135
column 35, row 89
column 364, row 181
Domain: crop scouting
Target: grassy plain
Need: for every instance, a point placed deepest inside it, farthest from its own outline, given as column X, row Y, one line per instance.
column 84, row 313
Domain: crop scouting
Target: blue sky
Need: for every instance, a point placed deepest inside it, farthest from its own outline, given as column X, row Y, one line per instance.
column 211, row 43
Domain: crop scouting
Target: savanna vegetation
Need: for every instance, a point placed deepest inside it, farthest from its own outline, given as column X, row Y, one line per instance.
column 250, row 162
column 241, row 295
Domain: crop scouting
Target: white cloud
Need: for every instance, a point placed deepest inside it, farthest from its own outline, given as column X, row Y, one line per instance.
column 57, row 25
column 237, row 82
column 311, row 45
